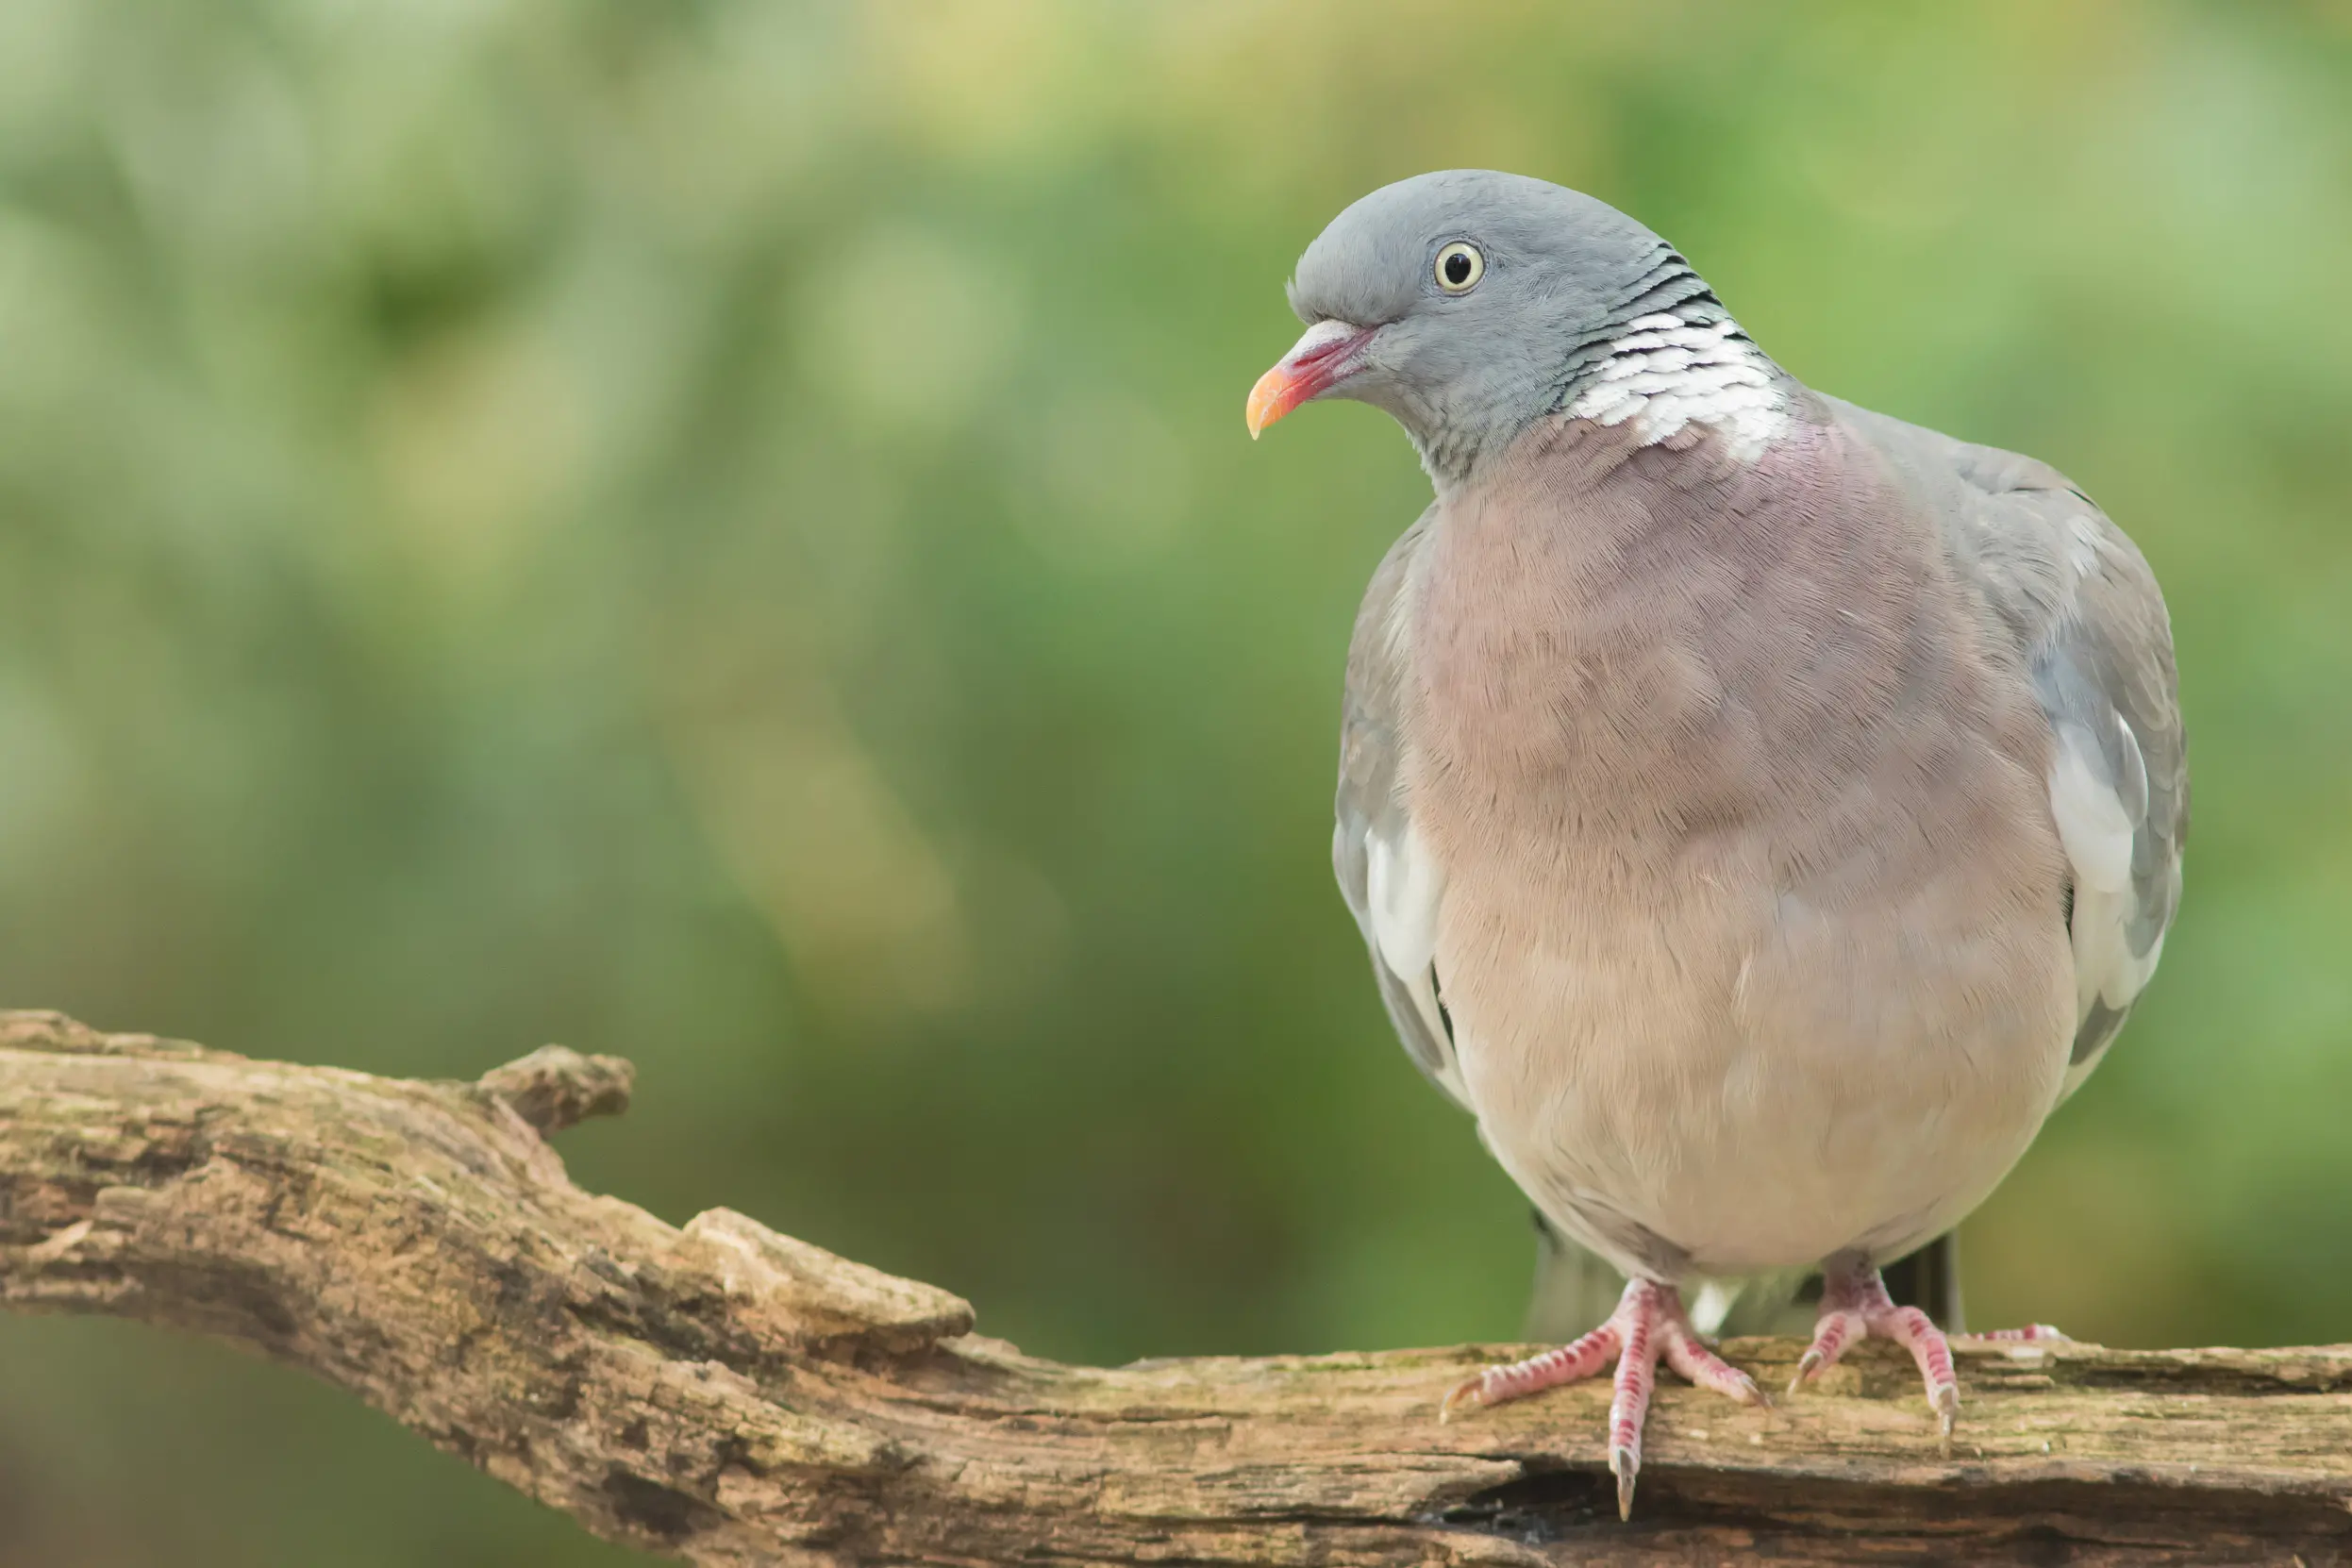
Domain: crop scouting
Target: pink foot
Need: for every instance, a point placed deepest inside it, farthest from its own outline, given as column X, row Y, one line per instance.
column 1855, row 1304
column 1649, row 1323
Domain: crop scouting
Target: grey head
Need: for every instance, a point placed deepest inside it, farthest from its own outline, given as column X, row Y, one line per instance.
column 1468, row 304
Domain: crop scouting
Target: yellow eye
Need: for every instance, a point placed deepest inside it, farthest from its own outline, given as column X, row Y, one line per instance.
column 1459, row 266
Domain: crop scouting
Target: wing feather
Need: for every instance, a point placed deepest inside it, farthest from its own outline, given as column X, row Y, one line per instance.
column 2088, row 622
column 1392, row 884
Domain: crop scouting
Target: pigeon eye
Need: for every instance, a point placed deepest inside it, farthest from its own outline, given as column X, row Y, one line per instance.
column 1459, row 266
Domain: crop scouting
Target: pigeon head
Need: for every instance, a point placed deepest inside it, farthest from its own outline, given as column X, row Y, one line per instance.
column 1467, row 303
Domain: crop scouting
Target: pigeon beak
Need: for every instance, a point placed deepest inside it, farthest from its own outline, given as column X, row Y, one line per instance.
column 1328, row 354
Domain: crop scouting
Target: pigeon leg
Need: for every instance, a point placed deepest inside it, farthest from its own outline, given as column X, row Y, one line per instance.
column 1649, row 1325
column 1855, row 1304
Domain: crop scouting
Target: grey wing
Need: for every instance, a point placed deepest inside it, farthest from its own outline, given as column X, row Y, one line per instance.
column 1392, row 885
column 2086, row 616
column 2120, row 788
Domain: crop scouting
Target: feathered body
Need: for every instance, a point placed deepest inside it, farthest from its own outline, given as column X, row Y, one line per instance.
column 1747, row 959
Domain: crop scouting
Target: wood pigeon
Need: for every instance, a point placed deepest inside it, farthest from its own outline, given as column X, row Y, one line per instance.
column 1761, row 812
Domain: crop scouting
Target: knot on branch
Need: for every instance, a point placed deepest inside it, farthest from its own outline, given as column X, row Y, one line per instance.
column 802, row 1294
column 555, row 1087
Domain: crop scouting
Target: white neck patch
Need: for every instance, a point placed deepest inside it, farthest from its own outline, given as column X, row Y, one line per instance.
column 1665, row 374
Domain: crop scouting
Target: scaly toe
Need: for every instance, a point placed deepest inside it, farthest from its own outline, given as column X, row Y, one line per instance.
column 2031, row 1331
column 1701, row 1367
column 1648, row 1326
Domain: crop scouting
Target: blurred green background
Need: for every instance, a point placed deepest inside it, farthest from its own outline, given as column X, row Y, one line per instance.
column 722, row 532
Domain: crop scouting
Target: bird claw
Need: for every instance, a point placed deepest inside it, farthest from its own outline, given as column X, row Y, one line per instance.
column 1807, row 1366
column 1625, row 1465
column 1945, row 1400
column 1469, row 1393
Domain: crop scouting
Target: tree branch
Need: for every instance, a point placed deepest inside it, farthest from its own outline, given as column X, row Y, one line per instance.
column 729, row 1395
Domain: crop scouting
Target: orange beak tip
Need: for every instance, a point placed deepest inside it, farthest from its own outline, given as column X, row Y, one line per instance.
column 1268, row 401
column 1320, row 360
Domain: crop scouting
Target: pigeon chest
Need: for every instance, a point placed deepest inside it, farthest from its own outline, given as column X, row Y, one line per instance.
column 1751, row 920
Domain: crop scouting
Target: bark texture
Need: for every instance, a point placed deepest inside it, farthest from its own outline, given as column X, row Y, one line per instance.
column 728, row 1395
